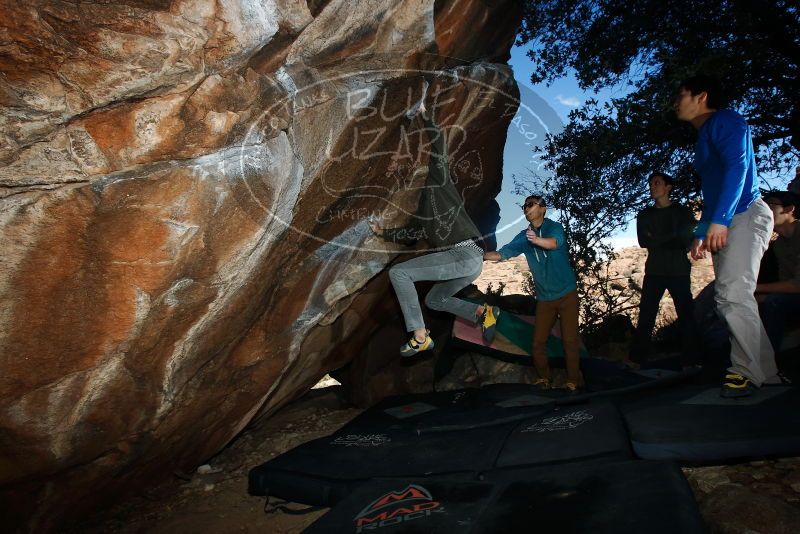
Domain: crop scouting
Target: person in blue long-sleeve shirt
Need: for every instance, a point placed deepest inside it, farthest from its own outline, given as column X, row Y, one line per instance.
column 735, row 227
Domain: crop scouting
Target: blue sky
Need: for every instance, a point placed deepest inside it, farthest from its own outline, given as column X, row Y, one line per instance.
column 543, row 109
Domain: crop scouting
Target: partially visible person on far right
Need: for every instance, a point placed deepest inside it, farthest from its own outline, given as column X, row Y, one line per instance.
column 794, row 185
column 781, row 299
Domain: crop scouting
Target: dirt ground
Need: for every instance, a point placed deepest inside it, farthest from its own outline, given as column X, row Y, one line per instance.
column 214, row 499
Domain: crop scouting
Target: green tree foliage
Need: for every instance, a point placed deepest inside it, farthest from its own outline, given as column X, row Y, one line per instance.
column 752, row 46
column 600, row 162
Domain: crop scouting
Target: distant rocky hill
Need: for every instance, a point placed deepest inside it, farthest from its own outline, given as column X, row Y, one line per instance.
column 627, row 274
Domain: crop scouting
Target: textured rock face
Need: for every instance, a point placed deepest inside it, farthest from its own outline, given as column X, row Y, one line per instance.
column 183, row 194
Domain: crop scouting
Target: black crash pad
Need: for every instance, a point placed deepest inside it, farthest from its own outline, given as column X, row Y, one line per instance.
column 322, row 471
column 455, row 410
column 633, row 496
column 501, row 403
column 568, row 433
column 694, row 424
column 508, row 429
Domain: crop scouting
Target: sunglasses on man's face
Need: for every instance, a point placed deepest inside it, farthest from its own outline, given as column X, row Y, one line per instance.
column 531, row 204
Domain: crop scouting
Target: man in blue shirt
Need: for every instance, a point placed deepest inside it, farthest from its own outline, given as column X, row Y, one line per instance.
column 545, row 247
column 736, row 226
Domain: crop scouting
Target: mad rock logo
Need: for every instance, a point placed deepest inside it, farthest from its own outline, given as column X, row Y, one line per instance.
column 562, row 422
column 397, row 507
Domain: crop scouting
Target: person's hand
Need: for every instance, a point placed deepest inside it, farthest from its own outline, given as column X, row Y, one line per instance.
column 698, row 250
column 376, row 228
column 531, row 235
column 492, row 256
column 716, row 237
column 422, row 108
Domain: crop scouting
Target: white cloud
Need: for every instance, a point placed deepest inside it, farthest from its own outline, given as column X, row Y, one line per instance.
column 570, row 101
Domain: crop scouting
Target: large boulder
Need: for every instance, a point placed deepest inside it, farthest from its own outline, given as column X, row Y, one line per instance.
column 183, row 199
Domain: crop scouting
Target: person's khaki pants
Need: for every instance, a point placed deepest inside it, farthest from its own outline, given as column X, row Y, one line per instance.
column 566, row 309
column 736, row 271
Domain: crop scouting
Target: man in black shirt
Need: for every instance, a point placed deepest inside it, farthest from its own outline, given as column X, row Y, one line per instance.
column 666, row 231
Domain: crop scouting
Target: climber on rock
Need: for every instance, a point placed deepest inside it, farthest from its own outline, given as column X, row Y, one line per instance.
column 457, row 258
